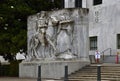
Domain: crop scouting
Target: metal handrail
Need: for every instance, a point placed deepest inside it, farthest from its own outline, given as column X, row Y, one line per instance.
column 102, row 53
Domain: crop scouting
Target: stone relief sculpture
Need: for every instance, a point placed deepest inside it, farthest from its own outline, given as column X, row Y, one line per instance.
column 41, row 39
column 59, row 45
column 56, row 38
column 63, row 35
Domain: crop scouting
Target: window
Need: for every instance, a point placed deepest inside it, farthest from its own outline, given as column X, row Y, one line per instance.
column 78, row 3
column 62, row 3
column 93, row 43
column 97, row 2
column 118, row 41
column 57, row 3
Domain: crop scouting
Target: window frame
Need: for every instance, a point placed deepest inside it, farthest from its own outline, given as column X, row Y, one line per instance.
column 93, row 43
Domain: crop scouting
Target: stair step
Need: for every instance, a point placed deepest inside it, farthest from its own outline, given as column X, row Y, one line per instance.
column 89, row 73
column 107, row 71
column 106, row 79
column 95, row 73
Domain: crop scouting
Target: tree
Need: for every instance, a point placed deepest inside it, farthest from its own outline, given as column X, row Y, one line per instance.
column 13, row 22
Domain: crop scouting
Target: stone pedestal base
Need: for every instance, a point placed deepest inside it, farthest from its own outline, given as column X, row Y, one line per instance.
column 49, row 69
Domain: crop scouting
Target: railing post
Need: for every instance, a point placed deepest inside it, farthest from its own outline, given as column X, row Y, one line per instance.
column 39, row 73
column 110, row 51
column 98, row 72
column 103, row 55
column 66, row 73
column 117, row 58
column 105, row 51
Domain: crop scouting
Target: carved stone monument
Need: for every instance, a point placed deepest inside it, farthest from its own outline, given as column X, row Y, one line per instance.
column 55, row 39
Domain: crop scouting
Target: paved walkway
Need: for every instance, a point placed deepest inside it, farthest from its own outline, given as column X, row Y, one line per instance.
column 16, row 79
column 26, row 79
column 20, row 79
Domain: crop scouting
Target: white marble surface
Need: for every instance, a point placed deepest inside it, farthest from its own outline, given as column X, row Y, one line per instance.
column 69, row 3
column 108, row 25
column 80, row 44
column 50, row 69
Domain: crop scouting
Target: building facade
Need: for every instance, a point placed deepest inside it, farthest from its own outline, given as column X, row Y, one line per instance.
column 104, row 24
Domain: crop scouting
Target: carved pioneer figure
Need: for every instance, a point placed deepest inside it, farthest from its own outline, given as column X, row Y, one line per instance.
column 41, row 39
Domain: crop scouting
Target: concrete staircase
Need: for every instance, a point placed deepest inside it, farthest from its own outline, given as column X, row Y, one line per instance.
column 109, row 72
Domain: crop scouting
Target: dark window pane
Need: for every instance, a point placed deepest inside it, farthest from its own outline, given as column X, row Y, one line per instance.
column 118, row 41
column 78, row 3
column 58, row 3
column 97, row 2
column 62, row 4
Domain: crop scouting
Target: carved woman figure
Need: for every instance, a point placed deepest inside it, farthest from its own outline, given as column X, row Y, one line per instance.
column 64, row 34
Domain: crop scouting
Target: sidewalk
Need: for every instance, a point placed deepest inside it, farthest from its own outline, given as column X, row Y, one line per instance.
column 16, row 79
column 21, row 79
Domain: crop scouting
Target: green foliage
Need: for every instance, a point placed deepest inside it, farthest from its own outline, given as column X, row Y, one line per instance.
column 11, row 69
column 13, row 21
column 4, row 70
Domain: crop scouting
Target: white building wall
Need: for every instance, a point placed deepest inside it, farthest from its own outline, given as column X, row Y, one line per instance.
column 89, row 3
column 84, row 4
column 104, row 22
column 69, row 3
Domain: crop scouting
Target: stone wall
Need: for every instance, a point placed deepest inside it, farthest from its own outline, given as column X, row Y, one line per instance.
column 50, row 69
